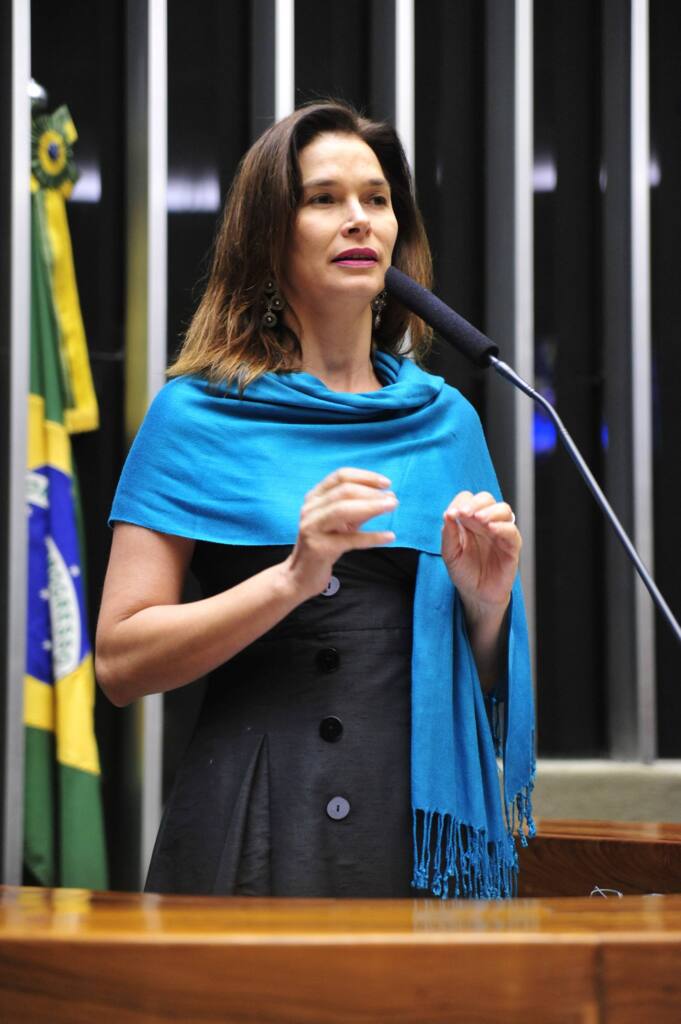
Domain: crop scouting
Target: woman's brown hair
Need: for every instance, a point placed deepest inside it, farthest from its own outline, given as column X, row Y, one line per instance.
column 226, row 339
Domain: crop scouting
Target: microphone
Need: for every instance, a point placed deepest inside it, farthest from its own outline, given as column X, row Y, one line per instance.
column 479, row 349
column 471, row 342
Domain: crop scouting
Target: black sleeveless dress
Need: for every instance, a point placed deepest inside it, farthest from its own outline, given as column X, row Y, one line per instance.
column 297, row 779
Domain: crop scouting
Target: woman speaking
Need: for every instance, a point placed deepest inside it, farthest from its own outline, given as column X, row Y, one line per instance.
column 362, row 625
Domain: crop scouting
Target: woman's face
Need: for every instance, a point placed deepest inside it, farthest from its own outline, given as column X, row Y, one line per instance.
column 345, row 228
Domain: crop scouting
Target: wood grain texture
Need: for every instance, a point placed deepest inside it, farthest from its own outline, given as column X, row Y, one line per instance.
column 303, row 983
column 71, row 955
column 641, row 983
column 571, row 858
column 636, row 831
column 75, row 956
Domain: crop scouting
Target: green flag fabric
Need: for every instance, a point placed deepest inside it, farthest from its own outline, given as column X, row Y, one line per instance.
column 63, row 820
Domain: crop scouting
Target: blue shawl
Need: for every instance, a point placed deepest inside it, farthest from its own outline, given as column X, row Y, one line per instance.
column 211, row 465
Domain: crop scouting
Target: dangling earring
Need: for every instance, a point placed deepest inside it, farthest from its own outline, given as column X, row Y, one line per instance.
column 378, row 304
column 273, row 302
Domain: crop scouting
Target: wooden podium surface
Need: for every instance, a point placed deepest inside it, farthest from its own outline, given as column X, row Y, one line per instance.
column 73, row 955
column 569, row 858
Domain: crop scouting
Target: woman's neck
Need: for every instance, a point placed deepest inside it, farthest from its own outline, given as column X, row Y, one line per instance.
column 337, row 350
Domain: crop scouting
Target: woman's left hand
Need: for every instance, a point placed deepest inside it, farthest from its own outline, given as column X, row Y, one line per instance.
column 481, row 548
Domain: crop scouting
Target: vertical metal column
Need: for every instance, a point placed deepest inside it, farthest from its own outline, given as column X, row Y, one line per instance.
column 16, row 242
column 404, row 77
column 146, row 311
column 509, row 316
column 626, row 311
column 642, row 388
column 272, row 62
column 284, row 58
column 642, row 376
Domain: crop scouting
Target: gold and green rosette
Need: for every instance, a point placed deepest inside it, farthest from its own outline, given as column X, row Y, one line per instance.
column 53, row 175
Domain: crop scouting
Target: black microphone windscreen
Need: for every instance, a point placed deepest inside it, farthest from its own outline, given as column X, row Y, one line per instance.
column 452, row 327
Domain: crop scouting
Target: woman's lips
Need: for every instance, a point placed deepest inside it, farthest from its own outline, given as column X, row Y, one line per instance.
column 357, row 258
column 355, row 263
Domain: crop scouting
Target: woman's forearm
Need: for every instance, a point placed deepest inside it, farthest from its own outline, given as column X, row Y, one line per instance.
column 488, row 636
column 166, row 646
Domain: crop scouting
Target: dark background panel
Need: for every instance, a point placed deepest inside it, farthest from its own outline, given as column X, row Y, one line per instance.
column 332, row 51
column 346, row 51
column 209, row 111
column 568, row 355
column 449, row 162
column 208, row 132
column 665, row 211
column 78, row 56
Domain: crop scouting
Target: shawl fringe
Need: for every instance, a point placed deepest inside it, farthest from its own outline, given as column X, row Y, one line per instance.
column 454, row 860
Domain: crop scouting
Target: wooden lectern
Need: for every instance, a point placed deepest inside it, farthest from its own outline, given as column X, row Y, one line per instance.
column 549, row 956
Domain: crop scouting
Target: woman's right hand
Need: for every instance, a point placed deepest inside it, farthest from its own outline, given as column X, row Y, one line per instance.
column 330, row 519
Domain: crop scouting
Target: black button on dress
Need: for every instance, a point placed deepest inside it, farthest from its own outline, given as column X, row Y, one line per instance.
column 331, row 729
column 328, row 659
column 315, row 712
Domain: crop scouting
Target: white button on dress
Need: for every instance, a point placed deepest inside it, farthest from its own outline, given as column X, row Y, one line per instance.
column 332, row 587
column 338, row 808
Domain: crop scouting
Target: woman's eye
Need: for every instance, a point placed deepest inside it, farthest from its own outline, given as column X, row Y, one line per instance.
column 322, row 200
column 379, row 200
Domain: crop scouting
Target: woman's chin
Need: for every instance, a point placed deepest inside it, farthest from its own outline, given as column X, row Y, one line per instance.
column 343, row 295
column 358, row 289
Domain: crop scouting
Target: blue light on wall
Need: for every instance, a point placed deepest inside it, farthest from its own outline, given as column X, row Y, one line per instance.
column 544, row 433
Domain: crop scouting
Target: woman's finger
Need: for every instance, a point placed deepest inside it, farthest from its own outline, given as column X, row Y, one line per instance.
column 343, row 491
column 461, row 501
column 480, row 527
column 349, row 474
column 468, row 503
column 454, row 536
column 499, row 512
column 346, row 515
column 467, row 522
column 506, row 535
column 363, row 539
column 494, row 524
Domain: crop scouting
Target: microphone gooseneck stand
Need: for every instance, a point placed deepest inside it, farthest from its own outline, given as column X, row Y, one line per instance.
column 473, row 344
column 504, row 370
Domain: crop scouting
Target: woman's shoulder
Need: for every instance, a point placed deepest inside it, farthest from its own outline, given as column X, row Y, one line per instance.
column 179, row 389
column 176, row 411
column 177, row 397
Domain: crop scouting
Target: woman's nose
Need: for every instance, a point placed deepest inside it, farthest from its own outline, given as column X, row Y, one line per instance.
column 357, row 220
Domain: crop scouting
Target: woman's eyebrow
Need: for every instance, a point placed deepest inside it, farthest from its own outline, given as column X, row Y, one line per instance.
column 326, row 182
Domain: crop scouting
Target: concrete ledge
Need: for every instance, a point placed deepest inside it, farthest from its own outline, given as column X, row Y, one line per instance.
column 608, row 790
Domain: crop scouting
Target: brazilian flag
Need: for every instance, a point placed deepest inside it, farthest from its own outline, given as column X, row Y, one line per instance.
column 63, row 822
